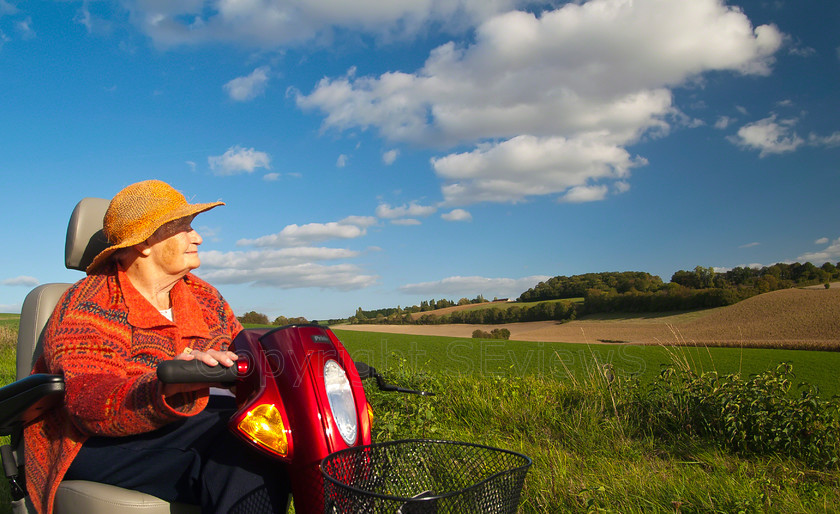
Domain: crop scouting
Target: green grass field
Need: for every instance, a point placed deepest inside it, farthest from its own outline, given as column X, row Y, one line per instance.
column 9, row 320
column 8, row 338
column 565, row 361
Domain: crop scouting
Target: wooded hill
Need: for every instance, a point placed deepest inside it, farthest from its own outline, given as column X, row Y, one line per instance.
column 761, row 280
column 631, row 291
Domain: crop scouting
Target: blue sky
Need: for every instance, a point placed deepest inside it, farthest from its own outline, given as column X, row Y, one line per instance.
column 374, row 154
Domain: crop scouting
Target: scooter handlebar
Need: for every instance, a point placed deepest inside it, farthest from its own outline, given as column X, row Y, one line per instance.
column 195, row 371
column 365, row 371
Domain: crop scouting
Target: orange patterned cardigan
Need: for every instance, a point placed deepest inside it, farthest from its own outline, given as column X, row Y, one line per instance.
column 107, row 339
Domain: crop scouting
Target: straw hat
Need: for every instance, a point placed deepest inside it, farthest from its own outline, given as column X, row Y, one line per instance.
column 138, row 211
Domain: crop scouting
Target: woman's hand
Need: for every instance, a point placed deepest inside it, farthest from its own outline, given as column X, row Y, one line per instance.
column 211, row 358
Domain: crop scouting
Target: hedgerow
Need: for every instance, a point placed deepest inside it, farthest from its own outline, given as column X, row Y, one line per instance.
column 757, row 415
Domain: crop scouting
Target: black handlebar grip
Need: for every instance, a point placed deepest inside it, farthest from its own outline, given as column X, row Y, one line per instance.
column 195, row 371
column 364, row 370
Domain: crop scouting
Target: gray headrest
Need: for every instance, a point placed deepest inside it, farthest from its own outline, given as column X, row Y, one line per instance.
column 84, row 233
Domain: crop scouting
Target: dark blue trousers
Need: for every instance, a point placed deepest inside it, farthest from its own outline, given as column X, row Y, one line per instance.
column 196, row 460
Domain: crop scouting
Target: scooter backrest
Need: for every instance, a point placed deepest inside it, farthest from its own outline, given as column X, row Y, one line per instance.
column 83, row 242
column 84, row 233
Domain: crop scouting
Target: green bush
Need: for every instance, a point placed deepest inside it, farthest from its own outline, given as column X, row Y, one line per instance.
column 759, row 415
column 496, row 333
column 253, row 317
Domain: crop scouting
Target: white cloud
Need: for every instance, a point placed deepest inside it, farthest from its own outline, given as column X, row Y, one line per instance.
column 412, row 209
column 527, row 165
column 830, row 254
column 581, row 194
column 469, row 287
column 801, row 51
column 273, row 257
column 340, row 277
column 209, row 233
column 457, row 215
column 10, row 307
column 750, row 245
column 406, row 222
column 723, row 122
column 286, row 268
column 299, row 235
column 22, row 280
column 24, row 27
column 597, row 66
column 769, row 136
column 390, row 156
column 341, row 161
column 775, row 136
column 239, row 160
column 361, row 221
column 93, row 24
column 621, row 187
column 287, row 259
column 21, row 24
column 84, row 18
column 273, row 23
column 249, row 87
column 7, row 8
column 271, row 177
column 293, row 235
column 599, row 76
column 832, row 140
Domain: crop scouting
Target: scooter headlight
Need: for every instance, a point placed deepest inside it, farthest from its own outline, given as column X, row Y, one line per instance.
column 340, row 396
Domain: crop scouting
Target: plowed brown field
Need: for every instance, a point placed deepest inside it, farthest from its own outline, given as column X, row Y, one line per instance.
column 791, row 318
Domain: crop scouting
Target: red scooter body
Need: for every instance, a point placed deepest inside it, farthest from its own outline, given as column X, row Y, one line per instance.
column 300, row 400
column 285, row 409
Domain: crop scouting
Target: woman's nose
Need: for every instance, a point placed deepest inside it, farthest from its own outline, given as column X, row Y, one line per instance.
column 195, row 237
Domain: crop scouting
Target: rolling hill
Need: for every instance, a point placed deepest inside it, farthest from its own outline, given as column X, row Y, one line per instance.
column 791, row 318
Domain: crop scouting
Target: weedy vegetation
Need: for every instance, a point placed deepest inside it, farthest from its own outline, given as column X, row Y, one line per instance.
column 8, row 340
column 685, row 442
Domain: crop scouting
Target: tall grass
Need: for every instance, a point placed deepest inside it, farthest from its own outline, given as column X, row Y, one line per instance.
column 8, row 340
column 599, row 444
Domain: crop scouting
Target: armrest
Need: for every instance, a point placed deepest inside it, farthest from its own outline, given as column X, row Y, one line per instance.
column 27, row 398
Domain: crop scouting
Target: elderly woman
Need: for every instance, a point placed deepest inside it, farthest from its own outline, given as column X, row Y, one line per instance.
column 140, row 305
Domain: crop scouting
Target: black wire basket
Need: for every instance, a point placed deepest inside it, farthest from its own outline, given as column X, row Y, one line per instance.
column 419, row 476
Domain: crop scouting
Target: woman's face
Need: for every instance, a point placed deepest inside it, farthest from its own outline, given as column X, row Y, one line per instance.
column 174, row 247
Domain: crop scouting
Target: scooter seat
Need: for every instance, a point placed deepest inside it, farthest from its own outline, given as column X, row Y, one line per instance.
column 96, row 498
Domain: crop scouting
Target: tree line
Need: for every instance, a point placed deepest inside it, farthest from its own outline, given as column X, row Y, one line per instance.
column 565, row 298
column 767, row 278
column 258, row 318
column 577, row 286
column 424, row 306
